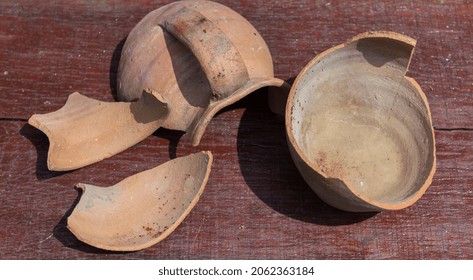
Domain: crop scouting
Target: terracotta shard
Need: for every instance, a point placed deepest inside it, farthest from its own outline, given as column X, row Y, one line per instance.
column 143, row 209
column 359, row 130
column 85, row 130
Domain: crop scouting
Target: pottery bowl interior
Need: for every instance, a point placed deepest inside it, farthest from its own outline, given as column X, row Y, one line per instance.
column 354, row 116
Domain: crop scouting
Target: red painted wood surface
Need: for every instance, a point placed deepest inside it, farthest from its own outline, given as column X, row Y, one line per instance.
column 256, row 205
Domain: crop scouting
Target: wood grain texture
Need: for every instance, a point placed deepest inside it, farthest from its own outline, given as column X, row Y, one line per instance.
column 256, row 205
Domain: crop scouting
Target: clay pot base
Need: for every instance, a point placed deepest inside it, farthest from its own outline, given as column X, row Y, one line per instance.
column 143, row 209
column 356, row 118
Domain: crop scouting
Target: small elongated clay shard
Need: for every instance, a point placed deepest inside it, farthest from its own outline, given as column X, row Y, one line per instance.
column 359, row 130
column 143, row 209
column 85, row 130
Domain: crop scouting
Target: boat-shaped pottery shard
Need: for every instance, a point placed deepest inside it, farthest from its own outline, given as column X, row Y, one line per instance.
column 143, row 209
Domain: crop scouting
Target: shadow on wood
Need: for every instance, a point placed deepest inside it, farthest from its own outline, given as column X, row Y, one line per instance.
column 269, row 171
column 41, row 143
column 65, row 236
column 173, row 136
column 113, row 70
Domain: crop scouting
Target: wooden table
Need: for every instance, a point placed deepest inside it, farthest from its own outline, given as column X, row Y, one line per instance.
column 255, row 205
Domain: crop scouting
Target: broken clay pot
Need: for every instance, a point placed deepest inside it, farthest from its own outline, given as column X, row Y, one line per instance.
column 359, row 130
column 201, row 56
column 143, row 209
column 180, row 65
